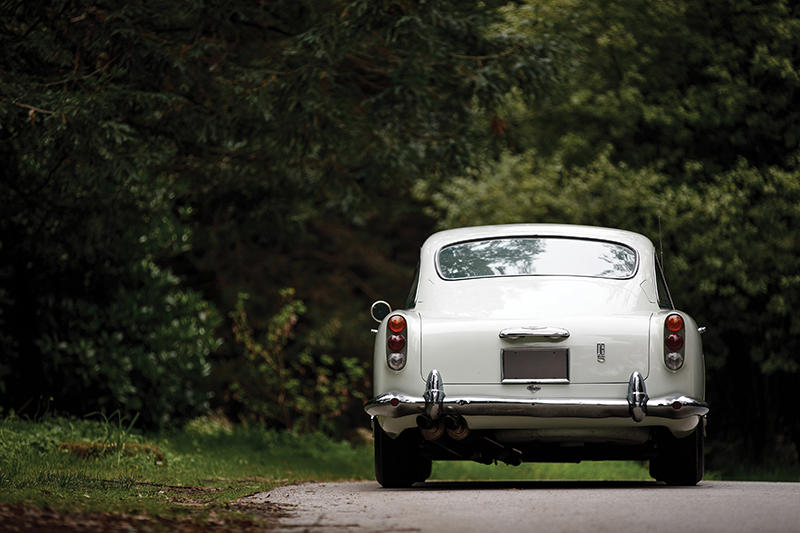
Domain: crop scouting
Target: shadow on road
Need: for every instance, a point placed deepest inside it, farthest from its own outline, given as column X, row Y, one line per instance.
column 535, row 485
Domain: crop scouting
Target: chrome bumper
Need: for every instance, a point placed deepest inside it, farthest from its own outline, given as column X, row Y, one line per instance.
column 435, row 404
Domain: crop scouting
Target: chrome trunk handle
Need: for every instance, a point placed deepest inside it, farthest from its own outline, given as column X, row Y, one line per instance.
column 540, row 332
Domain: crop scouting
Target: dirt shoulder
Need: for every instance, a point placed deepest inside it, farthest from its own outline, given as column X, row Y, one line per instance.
column 246, row 517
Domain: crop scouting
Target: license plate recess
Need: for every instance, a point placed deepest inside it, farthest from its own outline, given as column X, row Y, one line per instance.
column 536, row 365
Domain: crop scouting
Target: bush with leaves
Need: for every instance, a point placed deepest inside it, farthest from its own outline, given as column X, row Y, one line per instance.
column 667, row 82
column 120, row 120
column 144, row 352
column 295, row 387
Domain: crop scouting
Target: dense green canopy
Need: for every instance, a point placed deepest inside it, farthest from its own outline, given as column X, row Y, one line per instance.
column 228, row 143
column 200, row 199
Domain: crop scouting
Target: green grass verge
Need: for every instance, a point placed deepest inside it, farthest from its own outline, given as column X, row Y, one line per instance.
column 202, row 469
column 192, row 473
column 585, row 471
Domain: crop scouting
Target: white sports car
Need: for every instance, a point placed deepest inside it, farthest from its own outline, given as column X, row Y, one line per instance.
column 535, row 342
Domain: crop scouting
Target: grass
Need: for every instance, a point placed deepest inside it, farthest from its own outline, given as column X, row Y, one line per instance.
column 768, row 474
column 586, row 471
column 196, row 474
column 189, row 474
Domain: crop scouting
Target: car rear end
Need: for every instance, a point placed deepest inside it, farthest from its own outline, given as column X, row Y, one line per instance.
column 525, row 367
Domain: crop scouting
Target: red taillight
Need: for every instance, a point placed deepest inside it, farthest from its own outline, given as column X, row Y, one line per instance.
column 396, row 342
column 674, row 322
column 674, row 342
column 397, row 323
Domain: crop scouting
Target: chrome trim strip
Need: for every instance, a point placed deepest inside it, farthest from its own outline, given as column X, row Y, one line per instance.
column 539, row 332
column 661, row 407
column 535, row 380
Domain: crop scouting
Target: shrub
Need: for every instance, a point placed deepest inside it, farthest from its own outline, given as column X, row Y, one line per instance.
column 292, row 385
column 146, row 351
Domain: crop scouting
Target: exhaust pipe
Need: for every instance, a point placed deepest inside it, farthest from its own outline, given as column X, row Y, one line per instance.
column 457, row 428
column 430, row 429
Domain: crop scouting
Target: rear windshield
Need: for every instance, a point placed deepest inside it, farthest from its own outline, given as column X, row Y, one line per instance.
column 537, row 256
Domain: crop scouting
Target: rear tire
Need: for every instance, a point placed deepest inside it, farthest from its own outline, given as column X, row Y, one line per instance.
column 398, row 462
column 680, row 461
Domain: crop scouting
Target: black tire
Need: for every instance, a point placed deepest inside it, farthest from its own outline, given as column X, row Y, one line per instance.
column 398, row 462
column 680, row 461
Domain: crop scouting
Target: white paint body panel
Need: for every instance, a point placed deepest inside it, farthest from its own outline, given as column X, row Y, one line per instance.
column 471, row 350
column 454, row 327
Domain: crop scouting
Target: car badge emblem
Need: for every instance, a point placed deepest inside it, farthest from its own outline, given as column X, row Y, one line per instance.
column 601, row 352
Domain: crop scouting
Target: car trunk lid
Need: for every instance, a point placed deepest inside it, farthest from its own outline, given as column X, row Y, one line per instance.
column 468, row 350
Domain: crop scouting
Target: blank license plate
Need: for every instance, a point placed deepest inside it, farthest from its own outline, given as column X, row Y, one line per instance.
column 524, row 366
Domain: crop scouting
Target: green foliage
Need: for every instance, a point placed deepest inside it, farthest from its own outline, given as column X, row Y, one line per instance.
column 585, row 471
column 546, row 190
column 143, row 140
column 301, row 390
column 670, row 82
column 214, row 424
column 146, row 351
column 90, row 317
column 201, row 473
column 161, row 156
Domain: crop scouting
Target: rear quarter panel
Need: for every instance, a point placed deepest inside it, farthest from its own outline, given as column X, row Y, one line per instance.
column 688, row 380
column 408, row 379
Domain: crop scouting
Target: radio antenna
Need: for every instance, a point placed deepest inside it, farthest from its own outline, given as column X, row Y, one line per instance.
column 660, row 243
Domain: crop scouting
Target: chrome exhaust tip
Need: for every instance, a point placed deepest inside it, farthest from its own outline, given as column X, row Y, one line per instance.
column 457, row 428
column 429, row 428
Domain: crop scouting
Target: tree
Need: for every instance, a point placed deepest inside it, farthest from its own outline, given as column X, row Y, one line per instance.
column 207, row 140
column 669, row 82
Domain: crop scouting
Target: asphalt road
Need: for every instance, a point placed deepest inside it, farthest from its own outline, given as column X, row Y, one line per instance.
column 549, row 506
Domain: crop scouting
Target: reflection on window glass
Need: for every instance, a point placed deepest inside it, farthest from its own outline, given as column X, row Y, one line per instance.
column 537, row 256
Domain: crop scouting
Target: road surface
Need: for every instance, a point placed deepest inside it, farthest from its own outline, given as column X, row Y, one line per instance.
column 547, row 506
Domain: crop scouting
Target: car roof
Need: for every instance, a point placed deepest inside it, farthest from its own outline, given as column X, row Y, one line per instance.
column 451, row 236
